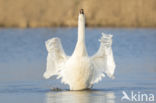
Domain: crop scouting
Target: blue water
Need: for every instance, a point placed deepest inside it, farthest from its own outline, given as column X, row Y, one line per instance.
column 23, row 62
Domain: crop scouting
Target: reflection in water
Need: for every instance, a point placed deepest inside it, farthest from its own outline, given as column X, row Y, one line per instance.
column 88, row 96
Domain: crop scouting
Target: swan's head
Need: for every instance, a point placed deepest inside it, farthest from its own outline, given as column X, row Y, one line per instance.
column 81, row 11
column 82, row 16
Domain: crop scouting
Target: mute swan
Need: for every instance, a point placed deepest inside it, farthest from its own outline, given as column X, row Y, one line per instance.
column 80, row 71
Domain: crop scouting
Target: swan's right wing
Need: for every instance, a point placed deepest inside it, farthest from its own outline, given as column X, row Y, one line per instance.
column 103, row 61
column 56, row 57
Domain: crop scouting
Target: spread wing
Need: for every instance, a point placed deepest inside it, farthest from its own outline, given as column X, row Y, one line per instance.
column 103, row 60
column 56, row 57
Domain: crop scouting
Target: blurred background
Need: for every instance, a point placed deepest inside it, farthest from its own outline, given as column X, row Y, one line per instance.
column 100, row 13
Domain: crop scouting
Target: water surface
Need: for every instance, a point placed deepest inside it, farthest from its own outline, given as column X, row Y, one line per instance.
column 23, row 62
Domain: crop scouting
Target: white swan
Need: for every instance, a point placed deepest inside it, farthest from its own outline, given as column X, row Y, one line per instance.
column 80, row 71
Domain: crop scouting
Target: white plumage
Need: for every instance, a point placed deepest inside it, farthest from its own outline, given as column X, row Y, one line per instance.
column 80, row 71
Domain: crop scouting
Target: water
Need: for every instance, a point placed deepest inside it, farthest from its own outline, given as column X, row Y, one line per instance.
column 23, row 61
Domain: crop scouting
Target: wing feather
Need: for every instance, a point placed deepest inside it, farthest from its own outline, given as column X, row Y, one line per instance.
column 56, row 57
column 103, row 60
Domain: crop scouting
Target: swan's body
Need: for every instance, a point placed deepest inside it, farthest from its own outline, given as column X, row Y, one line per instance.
column 80, row 71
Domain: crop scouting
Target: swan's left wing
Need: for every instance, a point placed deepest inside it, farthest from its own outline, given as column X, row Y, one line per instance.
column 56, row 57
column 103, row 60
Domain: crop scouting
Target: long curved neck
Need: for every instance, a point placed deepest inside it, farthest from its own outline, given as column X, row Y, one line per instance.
column 80, row 48
column 81, row 28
